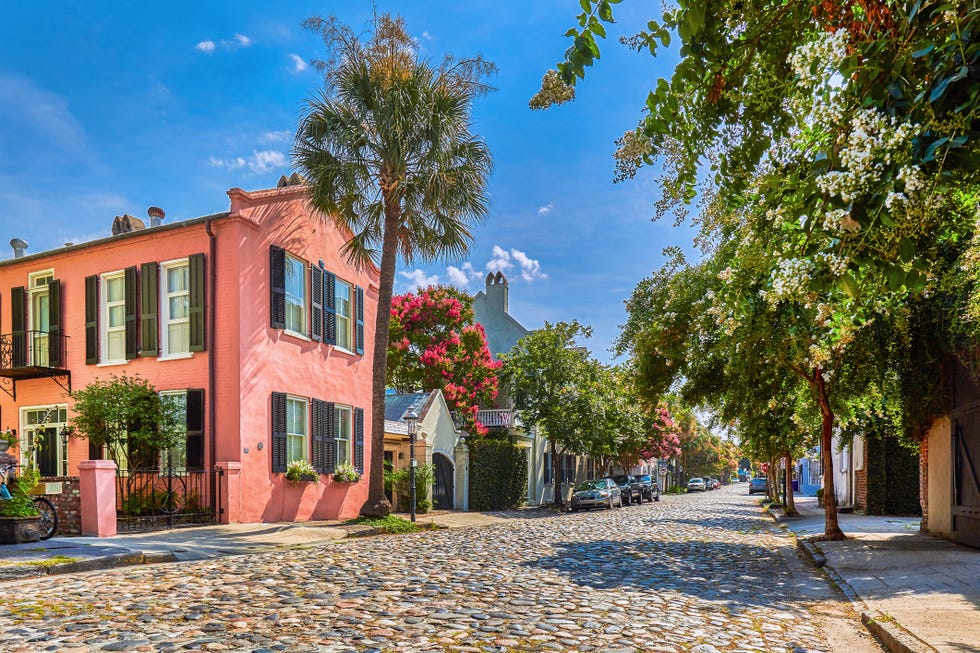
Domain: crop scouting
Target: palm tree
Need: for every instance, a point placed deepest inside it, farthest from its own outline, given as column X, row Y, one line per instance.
column 388, row 153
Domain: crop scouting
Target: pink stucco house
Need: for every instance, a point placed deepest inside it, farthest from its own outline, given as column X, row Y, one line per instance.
column 252, row 320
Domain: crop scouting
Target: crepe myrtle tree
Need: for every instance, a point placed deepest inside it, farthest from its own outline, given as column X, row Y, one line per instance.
column 390, row 157
column 433, row 343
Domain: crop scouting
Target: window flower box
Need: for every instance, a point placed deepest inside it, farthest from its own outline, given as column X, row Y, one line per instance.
column 301, row 471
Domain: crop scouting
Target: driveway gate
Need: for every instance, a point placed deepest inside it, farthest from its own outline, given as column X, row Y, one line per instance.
column 966, row 459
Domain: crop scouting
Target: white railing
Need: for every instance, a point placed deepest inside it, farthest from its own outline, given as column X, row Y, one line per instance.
column 495, row 418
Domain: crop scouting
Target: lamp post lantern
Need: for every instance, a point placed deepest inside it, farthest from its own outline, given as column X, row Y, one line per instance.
column 411, row 419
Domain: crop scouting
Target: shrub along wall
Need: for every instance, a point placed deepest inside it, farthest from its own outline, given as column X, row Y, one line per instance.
column 893, row 478
column 498, row 474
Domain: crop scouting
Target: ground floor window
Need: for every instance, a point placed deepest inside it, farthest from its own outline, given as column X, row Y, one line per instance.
column 41, row 442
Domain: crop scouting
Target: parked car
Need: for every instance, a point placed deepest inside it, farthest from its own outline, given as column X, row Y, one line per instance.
column 759, row 484
column 696, row 484
column 715, row 484
column 629, row 487
column 649, row 489
column 597, row 493
column 707, row 483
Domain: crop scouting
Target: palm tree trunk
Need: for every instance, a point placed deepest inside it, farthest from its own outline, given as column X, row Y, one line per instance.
column 377, row 504
column 832, row 529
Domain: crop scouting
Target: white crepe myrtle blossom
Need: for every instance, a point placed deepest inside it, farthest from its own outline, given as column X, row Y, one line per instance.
column 791, row 278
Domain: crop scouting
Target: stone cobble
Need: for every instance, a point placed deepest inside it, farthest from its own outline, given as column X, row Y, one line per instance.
column 692, row 573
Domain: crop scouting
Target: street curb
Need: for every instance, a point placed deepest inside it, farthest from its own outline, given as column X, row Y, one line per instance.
column 889, row 632
column 127, row 559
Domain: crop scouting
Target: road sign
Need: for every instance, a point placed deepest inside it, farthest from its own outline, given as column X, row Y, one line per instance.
column 765, row 468
column 663, row 470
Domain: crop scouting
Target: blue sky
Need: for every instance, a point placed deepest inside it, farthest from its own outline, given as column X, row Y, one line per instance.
column 110, row 107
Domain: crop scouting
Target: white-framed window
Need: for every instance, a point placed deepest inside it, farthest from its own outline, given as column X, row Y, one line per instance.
column 39, row 315
column 344, row 419
column 295, row 295
column 343, row 294
column 297, row 416
column 175, row 458
column 40, row 429
column 175, row 300
column 113, row 322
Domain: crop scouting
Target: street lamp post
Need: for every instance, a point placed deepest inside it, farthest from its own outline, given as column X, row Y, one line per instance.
column 411, row 419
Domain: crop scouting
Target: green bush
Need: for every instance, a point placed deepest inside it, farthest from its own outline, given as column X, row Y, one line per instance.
column 22, row 503
column 498, row 474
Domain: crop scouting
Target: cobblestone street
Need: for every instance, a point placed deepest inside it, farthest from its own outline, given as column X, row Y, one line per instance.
column 704, row 572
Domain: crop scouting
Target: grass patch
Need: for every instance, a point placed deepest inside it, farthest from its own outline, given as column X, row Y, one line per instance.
column 52, row 561
column 389, row 524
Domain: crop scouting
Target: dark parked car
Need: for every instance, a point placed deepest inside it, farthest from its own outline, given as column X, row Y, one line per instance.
column 596, row 493
column 758, row 485
column 630, row 488
column 649, row 489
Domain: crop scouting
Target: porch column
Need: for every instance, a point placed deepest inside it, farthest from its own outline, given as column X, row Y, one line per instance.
column 230, row 493
column 97, row 496
column 461, row 454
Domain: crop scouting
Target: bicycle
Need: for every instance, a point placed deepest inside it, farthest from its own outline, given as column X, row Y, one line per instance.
column 46, row 509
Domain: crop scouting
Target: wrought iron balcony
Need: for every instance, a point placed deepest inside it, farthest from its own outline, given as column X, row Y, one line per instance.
column 32, row 354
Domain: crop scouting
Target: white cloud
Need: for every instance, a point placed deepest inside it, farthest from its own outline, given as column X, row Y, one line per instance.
column 530, row 268
column 418, row 280
column 277, row 136
column 227, row 164
column 461, row 277
column 427, row 36
column 298, row 64
column 546, row 209
column 266, row 161
column 500, row 260
column 238, row 41
column 504, row 260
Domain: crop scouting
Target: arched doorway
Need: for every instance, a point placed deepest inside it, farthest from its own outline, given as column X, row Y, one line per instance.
column 443, row 489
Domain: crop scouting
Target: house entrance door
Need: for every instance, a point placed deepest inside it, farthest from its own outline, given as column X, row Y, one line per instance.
column 442, row 489
column 966, row 460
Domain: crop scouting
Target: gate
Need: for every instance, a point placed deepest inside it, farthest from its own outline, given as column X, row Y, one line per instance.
column 162, row 498
column 966, row 459
column 442, row 489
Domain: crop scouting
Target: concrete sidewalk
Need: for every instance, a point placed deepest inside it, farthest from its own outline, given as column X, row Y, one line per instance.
column 61, row 555
column 915, row 592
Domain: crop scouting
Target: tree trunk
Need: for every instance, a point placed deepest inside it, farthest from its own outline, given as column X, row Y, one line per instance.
column 555, row 481
column 377, row 504
column 832, row 529
column 772, row 479
column 790, row 505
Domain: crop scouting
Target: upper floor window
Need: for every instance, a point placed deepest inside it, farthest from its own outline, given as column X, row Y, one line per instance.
column 113, row 317
column 295, row 295
column 343, row 306
column 39, row 316
column 175, row 308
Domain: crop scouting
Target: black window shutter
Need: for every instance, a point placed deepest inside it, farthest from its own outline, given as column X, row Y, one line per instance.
column 92, row 321
column 329, row 308
column 55, row 352
column 195, row 429
column 196, row 280
column 131, row 309
column 359, row 329
column 330, row 439
column 359, row 440
column 149, row 301
column 316, row 302
column 278, row 432
column 277, row 287
column 319, row 431
column 18, row 325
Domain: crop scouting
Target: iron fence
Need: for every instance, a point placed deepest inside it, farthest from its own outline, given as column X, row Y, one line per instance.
column 163, row 498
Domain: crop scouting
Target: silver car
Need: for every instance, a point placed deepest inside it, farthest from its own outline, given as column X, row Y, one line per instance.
column 597, row 493
column 696, row 484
